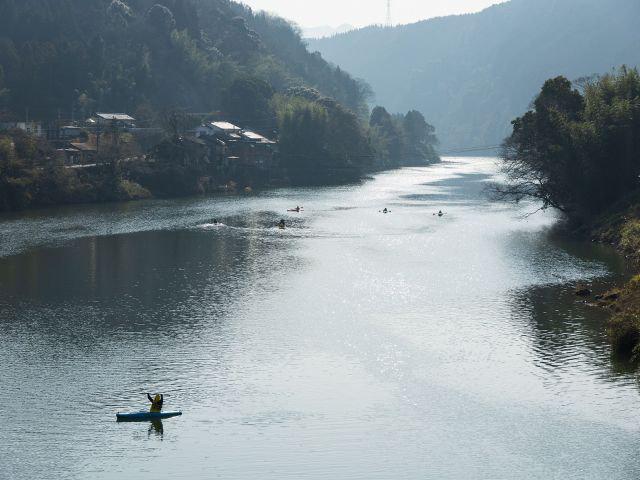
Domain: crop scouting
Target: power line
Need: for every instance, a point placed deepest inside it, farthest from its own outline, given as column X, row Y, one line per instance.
column 472, row 149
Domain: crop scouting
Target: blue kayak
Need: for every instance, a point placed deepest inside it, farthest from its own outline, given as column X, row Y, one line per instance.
column 145, row 416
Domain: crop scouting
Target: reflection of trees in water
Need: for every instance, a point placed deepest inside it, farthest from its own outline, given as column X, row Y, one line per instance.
column 462, row 188
column 150, row 280
column 565, row 332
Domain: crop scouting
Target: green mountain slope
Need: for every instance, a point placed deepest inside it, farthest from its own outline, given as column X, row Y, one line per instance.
column 472, row 74
column 59, row 56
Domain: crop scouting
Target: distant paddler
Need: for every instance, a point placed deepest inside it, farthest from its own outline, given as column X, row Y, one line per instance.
column 297, row 209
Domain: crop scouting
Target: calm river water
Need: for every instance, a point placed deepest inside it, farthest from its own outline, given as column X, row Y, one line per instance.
column 353, row 345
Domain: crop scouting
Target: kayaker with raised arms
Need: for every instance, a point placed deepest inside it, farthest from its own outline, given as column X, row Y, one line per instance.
column 156, row 402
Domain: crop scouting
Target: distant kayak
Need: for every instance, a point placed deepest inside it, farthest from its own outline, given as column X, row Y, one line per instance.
column 145, row 416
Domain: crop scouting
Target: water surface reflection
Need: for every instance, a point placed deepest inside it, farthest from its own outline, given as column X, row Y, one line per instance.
column 351, row 345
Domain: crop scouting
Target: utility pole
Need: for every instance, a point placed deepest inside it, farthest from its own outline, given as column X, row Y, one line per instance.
column 389, row 18
column 98, row 132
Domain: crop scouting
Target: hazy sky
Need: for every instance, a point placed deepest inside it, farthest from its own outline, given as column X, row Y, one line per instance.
column 313, row 13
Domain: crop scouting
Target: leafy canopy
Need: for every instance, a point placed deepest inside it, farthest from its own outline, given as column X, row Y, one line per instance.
column 577, row 151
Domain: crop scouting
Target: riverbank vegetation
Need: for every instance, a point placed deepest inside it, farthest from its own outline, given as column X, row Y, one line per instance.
column 578, row 151
column 402, row 140
column 23, row 185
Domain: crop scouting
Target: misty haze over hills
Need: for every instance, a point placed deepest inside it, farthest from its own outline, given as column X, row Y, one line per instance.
column 325, row 31
column 472, row 74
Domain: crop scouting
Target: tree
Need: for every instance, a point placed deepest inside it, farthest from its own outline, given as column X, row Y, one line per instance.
column 239, row 41
column 174, row 123
column 577, row 153
column 303, row 125
column 119, row 13
column 85, row 104
column 320, row 140
column 247, row 101
column 161, row 18
column 388, row 137
column 186, row 16
column 558, row 95
column 420, row 138
column 26, row 145
column 538, row 158
column 417, row 130
column 302, row 91
column 402, row 140
column 7, row 151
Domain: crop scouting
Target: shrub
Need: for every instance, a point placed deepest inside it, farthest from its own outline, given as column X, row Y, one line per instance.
column 630, row 236
column 624, row 334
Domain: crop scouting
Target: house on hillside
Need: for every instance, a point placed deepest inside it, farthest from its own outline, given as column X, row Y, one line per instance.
column 236, row 151
column 68, row 156
column 70, row 132
column 220, row 130
column 255, row 150
column 78, row 153
column 88, row 152
column 253, row 137
column 119, row 120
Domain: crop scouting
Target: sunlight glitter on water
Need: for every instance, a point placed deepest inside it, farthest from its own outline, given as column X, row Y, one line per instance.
column 351, row 345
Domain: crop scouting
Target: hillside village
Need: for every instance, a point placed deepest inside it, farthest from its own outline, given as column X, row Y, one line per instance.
column 111, row 137
column 276, row 113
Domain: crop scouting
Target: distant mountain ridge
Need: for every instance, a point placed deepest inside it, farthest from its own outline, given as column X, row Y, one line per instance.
column 472, row 74
column 326, row 31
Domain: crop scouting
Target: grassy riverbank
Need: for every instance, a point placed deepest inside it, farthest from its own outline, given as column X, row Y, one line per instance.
column 23, row 187
column 622, row 230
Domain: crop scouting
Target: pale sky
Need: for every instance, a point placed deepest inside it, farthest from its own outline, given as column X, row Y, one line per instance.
column 313, row 13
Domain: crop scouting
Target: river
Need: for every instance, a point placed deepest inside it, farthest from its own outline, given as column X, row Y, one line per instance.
column 352, row 345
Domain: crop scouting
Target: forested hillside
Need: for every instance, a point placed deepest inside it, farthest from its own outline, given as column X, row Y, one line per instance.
column 59, row 57
column 472, row 74
column 172, row 64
